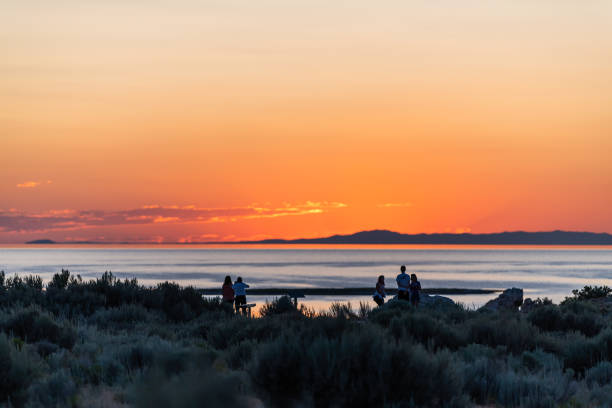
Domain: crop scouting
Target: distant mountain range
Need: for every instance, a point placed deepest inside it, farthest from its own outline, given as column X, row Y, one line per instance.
column 500, row 238
column 386, row 237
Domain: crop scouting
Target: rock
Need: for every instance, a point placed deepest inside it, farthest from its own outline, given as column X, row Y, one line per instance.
column 510, row 299
column 435, row 301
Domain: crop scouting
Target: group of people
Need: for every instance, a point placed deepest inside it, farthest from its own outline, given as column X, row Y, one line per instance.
column 408, row 288
column 234, row 293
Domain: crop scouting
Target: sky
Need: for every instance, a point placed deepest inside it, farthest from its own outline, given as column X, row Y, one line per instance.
column 184, row 120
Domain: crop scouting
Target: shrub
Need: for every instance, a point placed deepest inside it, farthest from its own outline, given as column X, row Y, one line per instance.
column 360, row 368
column 342, row 311
column 582, row 353
column 136, row 357
column 519, row 390
column 112, row 370
column 24, row 291
column 539, row 360
column 589, row 292
column 222, row 335
column 601, row 374
column 194, row 388
column 575, row 316
column 480, row 379
column 238, row 329
column 279, row 305
column 238, row 355
column 384, row 314
column 364, row 310
column 33, row 325
column 56, row 390
column 59, row 280
column 493, row 378
column 45, row 348
column 69, row 295
column 17, row 371
column 427, row 330
column 502, row 330
column 120, row 317
column 548, row 318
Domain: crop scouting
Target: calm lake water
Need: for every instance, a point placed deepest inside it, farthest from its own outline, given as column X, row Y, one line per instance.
column 541, row 271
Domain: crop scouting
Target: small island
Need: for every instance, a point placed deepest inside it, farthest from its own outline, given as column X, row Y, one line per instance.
column 41, row 242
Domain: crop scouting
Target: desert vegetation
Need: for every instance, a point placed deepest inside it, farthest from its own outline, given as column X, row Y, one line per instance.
column 107, row 342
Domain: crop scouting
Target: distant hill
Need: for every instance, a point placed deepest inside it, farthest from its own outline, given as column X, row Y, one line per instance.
column 41, row 241
column 500, row 238
column 385, row 237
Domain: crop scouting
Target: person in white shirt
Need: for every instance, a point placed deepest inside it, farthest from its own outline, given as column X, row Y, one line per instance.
column 403, row 284
column 240, row 292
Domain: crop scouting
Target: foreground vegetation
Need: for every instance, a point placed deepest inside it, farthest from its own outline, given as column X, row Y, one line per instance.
column 108, row 342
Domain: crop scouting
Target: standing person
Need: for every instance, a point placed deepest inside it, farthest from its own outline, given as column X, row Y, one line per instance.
column 403, row 284
column 379, row 295
column 240, row 291
column 227, row 290
column 415, row 290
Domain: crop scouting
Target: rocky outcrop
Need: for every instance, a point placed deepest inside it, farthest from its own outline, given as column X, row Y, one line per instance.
column 509, row 300
column 431, row 301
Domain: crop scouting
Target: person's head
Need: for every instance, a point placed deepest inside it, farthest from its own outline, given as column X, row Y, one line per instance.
column 239, row 279
column 413, row 277
column 403, row 268
column 228, row 280
column 381, row 279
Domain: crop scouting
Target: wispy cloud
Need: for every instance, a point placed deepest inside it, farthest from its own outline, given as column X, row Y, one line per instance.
column 67, row 219
column 198, row 238
column 394, row 205
column 165, row 219
column 32, row 184
column 458, row 230
column 28, row 184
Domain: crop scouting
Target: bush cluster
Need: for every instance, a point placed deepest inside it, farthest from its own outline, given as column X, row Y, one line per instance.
column 72, row 342
column 589, row 292
column 71, row 296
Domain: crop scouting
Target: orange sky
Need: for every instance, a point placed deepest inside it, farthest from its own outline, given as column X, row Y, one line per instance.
column 221, row 120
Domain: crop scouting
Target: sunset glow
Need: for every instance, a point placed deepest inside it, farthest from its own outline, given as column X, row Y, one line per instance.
column 189, row 121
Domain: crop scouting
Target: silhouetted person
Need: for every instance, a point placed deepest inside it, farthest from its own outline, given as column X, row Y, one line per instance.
column 403, row 284
column 240, row 292
column 379, row 295
column 228, row 290
column 415, row 290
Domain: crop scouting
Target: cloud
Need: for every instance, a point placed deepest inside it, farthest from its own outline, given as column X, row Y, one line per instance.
column 28, row 184
column 198, row 238
column 395, row 205
column 152, row 214
column 32, row 184
column 165, row 219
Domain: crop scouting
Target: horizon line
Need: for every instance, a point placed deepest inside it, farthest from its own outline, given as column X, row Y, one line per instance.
column 281, row 241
